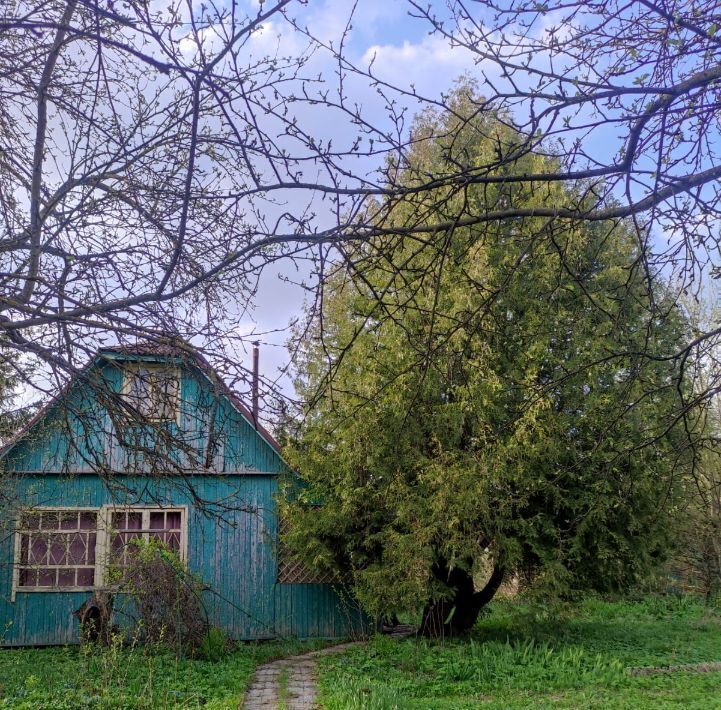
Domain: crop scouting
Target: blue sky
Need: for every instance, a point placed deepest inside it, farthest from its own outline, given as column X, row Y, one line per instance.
column 404, row 54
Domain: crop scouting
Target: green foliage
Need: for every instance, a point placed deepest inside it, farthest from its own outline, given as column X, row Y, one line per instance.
column 499, row 392
column 514, row 659
column 130, row 677
column 214, row 646
column 14, row 373
column 697, row 561
column 166, row 602
column 283, row 678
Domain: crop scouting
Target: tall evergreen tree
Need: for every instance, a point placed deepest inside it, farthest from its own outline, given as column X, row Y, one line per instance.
column 14, row 414
column 495, row 400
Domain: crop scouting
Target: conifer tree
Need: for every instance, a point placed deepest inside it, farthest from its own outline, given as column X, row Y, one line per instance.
column 489, row 401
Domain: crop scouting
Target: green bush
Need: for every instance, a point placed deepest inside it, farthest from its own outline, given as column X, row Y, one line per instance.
column 213, row 646
column 166, row 600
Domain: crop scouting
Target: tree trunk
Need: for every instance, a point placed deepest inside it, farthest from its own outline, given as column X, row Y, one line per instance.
column 456, row 615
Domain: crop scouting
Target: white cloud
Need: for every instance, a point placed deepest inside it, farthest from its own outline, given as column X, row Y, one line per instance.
column 553, row 27
column 211, row 38
column 264, row 31
column 430, row 64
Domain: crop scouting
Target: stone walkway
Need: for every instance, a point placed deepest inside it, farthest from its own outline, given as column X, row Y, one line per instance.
column 298, row 676
column 293, row 680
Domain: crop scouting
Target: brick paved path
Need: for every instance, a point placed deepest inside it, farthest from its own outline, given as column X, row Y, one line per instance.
column 299, row 671
column 264, row 691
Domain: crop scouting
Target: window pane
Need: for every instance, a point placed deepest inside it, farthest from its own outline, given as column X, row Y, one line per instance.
column 173, row 520
column 90, row 557
column 78, row 549
column 58, row 550
column 28, row 577
column 88, row 520
column 117, row 544
column 140, row 387
column 117, row 521
column 49, row 521
column 24, row 543
column 135, row 521
column 46, row 577
column 172, row 540
column 132, row 549
column 157, row 521
column 68, row 521
column 66, row 577
column 86, row 576
column 30, row 521
column 166, row 392
column 38, row 550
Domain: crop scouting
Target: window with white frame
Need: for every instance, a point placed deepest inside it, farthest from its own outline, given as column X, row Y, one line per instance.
column 128, row 525
column 57, row 549
column 69, row 549
column 153, row 390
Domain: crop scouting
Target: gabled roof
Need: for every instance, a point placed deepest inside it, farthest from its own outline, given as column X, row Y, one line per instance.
column 161, row 351
column 176, row 349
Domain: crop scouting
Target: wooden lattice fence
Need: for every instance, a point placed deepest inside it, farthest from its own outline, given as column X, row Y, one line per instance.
column 291, row 570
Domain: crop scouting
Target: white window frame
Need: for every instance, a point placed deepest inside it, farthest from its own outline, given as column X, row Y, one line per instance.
column 105, row 530
column 102, row 541
column 130, row 370
column 19, row 532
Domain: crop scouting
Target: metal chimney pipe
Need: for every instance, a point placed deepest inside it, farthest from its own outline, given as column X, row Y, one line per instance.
column 256, row 378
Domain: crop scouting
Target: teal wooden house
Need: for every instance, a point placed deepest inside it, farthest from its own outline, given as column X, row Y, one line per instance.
column 148, row 442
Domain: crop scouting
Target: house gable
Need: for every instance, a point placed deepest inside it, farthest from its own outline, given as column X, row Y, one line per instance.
column 83, row 430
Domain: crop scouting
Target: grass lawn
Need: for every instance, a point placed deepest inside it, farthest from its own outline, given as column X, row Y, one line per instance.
column 521, row 658
column 70, row 677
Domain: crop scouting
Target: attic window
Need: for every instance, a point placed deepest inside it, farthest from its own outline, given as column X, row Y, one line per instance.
column 153, row 390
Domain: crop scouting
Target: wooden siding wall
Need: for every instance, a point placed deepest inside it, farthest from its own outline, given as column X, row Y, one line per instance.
column 237, row 559
column 233, row 550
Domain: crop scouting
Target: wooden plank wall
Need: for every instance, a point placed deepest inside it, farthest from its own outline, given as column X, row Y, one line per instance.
column 78, row 434
column 231, row 545
column 236, row 557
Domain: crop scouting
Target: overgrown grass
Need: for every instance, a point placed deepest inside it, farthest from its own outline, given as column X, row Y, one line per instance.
column 528, row 657
column 283, row 678
column 138, row 677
